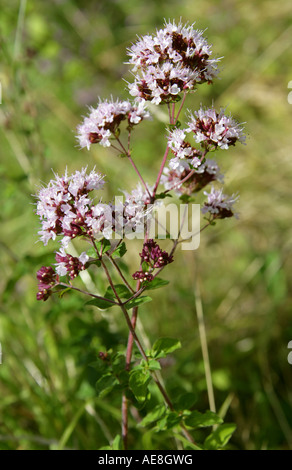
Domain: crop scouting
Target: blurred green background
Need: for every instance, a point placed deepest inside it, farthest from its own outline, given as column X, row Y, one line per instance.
column 57, row 58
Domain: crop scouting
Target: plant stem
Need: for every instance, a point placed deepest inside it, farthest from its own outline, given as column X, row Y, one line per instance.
column 169, row 112
column 173, row 113
column 172, row 120
column 186, row 177
column 120, row 273
column 125, row 421
column 131, row 339
column 160, row 172
column 128, row 153
column 180, row 108
column 87, row 293
column 144, row 355
column 124, row 310
column 139, row 174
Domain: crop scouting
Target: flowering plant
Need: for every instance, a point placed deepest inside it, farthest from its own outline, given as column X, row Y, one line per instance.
column 166, row 66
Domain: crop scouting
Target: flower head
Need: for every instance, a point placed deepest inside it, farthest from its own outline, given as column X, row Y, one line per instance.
column 135, row 210
column 47, row 279
column 219, row 205
column 144, row 276
column 174, row 59
column 104, row 121
column 71, row 265
column 213, row 129
column 194, row 180
column 184, row 154
column 152, row 257
column 65, row 208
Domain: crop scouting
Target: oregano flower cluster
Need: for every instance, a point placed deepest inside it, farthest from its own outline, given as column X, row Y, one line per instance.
column 173, row 60
column 166, row 66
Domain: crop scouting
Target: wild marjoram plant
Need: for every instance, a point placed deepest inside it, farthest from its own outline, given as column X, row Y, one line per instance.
column 166, row 66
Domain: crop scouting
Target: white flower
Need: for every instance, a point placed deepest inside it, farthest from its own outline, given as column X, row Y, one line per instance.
column 178, row 170
column 184, row 153
column 104, row 120
column 215, row 129
column 218, row 204
column 174, row 59
column 64, row 204
column 83, row 258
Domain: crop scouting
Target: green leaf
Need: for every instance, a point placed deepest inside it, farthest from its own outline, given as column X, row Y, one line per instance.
column 119, row 251
column 187, row 444
column 93, row 257
column 118, row 363
column 164, row 346
column 202, row 420
column 117, row 443
column 105, row 385
column 153, row 415
column 186, row 199
column 154, row 365
column 185, row 401
column 220, row 437
column 138, row 383
column 162, row 196
column 122, row 291
column 103, row 245
column 63, row 291
column 100, row 303
column 144, row 266
column 170, row 420
column 91, row 253
column 138, row 301
column 103, row 304
column 156, row 283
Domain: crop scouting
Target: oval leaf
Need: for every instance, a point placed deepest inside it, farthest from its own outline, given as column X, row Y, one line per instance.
column 138, row 383
column 156, row 283
column 138, row 301
column 164, row 346
column 220, row 437
column 100, row 303
column 201, row 420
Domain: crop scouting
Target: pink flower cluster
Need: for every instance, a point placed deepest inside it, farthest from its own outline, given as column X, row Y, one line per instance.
column 189, row 170
column 204, row 174
column 219, row 205
column 212, row 129
column 71, row 265
column 173, row 60
column 103, row 122
column 65, row 208
column 165, row 64
column 184, row 154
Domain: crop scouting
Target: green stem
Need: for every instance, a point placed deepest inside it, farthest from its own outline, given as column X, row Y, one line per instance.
column 120, row 273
